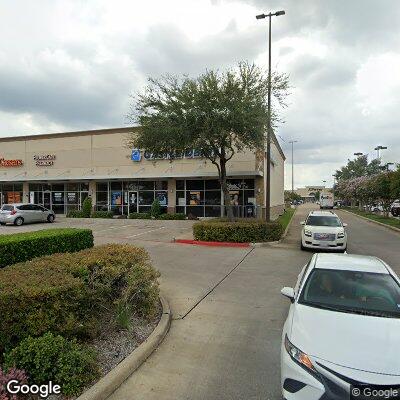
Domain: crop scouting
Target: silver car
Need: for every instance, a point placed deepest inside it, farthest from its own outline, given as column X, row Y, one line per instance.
column 19, row 214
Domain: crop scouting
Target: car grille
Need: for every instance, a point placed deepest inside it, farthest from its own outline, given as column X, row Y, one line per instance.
column 329, row 237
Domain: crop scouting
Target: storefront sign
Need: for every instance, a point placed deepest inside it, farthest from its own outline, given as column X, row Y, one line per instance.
column 46, row 160
column 11, row 163
column 136, row 155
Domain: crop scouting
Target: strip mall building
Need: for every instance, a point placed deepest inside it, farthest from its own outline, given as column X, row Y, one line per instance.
column 60, row 170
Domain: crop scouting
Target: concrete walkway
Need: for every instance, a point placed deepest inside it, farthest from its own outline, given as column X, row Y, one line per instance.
column 225, row 340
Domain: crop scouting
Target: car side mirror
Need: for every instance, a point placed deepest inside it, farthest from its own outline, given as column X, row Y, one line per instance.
column 344, row 225
column 302, row 222
column 288, row 292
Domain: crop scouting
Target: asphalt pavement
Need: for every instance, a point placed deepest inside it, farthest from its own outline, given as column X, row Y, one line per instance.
column 228, row 313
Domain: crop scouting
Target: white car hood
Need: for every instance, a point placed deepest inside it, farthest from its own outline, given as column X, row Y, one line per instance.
column 361, row 342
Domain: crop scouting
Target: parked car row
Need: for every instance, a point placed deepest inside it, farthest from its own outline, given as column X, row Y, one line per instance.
column 24, row 213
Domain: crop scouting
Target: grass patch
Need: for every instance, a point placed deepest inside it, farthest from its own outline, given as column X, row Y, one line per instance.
column 286, row 217
column 375, row 217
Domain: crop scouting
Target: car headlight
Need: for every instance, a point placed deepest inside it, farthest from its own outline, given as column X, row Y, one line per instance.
column 307, row 233
column 300, row 358
column 340, row 235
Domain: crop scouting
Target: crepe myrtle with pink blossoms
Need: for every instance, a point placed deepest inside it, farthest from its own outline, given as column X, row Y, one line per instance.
column 382, row 188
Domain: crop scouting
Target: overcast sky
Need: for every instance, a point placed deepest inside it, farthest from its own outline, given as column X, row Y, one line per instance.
column 72, row 64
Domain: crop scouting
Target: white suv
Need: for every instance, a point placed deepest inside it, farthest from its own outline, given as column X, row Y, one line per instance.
column 323, row 230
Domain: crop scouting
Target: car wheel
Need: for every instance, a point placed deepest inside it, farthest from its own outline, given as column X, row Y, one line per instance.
column 19, row 221
column 2, row 223
column 50, row 218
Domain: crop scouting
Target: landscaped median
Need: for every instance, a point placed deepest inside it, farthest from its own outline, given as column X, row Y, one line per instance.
column 20, row 247
column 381, row 219
column 239, row 232
column 70, row 318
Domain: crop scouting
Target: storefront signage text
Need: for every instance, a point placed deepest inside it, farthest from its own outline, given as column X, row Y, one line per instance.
column 10, row 163
column 46, row 160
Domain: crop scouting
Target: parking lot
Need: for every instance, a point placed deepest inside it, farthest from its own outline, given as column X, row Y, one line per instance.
column 228, row 313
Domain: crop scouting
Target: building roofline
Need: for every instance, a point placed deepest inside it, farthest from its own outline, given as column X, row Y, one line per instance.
column 278, row 146
column 68, row 134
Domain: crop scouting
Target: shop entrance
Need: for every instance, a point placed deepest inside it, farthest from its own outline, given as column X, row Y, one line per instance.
column 47, row 200
column 132, row 202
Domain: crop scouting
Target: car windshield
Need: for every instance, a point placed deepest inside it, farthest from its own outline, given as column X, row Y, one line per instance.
column 322, row 220
column 7, row 208
column 352, row 292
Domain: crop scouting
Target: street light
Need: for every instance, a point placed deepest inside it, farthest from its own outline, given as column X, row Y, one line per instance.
column 378, row 148
column 358, row 154
column 268, row 178
column 292, row 142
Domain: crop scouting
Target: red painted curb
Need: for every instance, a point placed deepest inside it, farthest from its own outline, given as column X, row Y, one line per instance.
column 212, row 244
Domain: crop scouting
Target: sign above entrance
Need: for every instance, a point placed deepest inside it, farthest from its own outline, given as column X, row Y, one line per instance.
column 46, row 160
column 11, row 163
column 136, row 155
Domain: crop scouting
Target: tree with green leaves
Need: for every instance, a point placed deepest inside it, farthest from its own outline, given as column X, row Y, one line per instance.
column 291, row 196
column 218, row 113
column 359, row 167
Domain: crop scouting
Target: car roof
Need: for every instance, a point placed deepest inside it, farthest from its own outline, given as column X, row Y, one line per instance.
column 323, row 213
column 350, row 262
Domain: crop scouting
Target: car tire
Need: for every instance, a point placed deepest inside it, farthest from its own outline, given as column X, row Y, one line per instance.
column 2, row 223
column 19, row 221
column 50, row 218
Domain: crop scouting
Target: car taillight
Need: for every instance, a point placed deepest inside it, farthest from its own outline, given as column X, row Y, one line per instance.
column 13, row 212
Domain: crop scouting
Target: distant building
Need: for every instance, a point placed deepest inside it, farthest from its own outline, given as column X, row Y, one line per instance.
column 308, row 193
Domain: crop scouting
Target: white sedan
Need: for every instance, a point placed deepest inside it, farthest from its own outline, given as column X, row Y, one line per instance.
column 341, row 339
column 323, row 230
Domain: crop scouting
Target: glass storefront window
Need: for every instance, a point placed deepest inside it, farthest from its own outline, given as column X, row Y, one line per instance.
column 146, row 198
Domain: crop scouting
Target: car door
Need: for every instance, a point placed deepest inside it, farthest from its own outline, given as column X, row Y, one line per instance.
column 25, row 212
column 37, row 213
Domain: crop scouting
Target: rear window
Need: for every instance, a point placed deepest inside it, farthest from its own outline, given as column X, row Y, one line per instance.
column 320, row 220
column 7, row 207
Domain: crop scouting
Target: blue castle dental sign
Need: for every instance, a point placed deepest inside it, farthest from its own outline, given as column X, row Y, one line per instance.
column 136, row 155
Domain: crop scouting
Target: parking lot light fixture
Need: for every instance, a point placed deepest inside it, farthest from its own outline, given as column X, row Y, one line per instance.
column 269, row 127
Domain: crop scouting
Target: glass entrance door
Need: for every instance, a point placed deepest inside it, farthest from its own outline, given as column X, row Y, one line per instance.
column 132, row 202
column 47, row 200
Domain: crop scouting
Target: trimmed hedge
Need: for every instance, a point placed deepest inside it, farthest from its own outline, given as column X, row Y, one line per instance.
column 75, row 214
column 136, row 215
column 243, row 231
column 102, row 214
column 67, row 293
column 177, row 216
column 20, row 247
column 53, row 358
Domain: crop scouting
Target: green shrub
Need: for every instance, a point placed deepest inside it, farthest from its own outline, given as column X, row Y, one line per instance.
column 53, row 358
column 68, row 293
column 102, row 214
column 155, row 210
column 75, row 214
column 136, row 215
column 172, row 216
column 238, row 232
column 26, row 246
column 87, row 207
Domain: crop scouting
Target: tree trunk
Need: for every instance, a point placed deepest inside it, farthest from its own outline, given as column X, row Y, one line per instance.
column 225, row 191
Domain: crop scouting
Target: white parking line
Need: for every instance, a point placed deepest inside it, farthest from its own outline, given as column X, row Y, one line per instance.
column 144, row 233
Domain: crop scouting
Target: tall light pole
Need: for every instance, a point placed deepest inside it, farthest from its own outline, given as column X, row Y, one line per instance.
column 358, row 154
column 292, row 142
column 378, row 148
column 269, row 128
